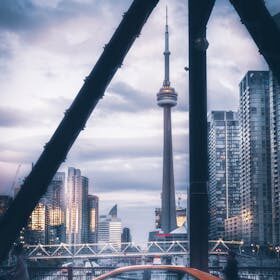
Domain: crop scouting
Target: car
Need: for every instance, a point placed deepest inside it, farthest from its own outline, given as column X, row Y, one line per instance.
column 156, row 272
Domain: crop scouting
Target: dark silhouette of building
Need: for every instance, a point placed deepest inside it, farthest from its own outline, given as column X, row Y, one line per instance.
column 126, row 235
column 114, row 211
column 231, row 268
column 5, row 202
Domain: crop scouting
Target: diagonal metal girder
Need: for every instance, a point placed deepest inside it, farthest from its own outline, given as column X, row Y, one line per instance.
column 263, row 29
column 74, row 121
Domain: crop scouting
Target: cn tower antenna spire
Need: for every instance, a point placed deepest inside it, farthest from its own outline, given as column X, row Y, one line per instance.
column 166, row 82
column 166, row 15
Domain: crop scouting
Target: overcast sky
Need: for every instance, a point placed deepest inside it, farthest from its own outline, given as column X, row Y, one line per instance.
column 48, row 47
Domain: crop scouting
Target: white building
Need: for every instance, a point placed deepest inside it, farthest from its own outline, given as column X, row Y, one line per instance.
column 110, row 228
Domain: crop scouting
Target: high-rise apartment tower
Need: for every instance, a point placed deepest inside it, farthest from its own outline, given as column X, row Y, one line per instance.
column 76, row 207
column 224, row 169
column 274, row 92
column 255, row 173
column 93, row 213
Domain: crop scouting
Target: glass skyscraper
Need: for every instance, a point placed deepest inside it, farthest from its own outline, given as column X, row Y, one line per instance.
column 93, row 213
column 54, row 200
column 274, row 91
column 36, row 228
column 65, row 214
column 126, row 235
column 47, row 222
column 255, row 178
column 224, row 169
column 76, row 207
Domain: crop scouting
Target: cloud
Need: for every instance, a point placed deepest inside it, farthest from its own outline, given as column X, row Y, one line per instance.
column 124, row 97
column 11, row 117
column 16, row 14
column 28, row 15
column 232, row 52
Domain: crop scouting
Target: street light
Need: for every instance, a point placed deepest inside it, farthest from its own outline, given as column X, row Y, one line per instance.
column 277, row 249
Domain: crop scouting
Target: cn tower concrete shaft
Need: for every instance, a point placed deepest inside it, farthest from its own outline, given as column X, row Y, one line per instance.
column 168, row 215
column 167, row 98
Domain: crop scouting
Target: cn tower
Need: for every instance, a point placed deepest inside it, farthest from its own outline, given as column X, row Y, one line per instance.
column 167, row 98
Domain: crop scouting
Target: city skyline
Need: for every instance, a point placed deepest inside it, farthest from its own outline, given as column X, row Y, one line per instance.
column 119, row 133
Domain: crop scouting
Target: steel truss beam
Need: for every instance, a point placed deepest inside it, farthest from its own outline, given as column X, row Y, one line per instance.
column 122, row 250
column 106, row 250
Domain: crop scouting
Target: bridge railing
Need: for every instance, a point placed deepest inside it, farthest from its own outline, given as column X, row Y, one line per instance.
column 252, row 273
column 59, row 273
column 82, row 273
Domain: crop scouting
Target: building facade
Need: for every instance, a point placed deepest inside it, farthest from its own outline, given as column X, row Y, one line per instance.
column 110, row 228
column 224, row 169
column 76, row 207
column 54, row 201
column 103, row 229
column 93, row 214
column 255, row 173
column 47, row 223
column 85, row 213
column 233, row 228
column 126, row 235
column 35, row 232
column 274, row 91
